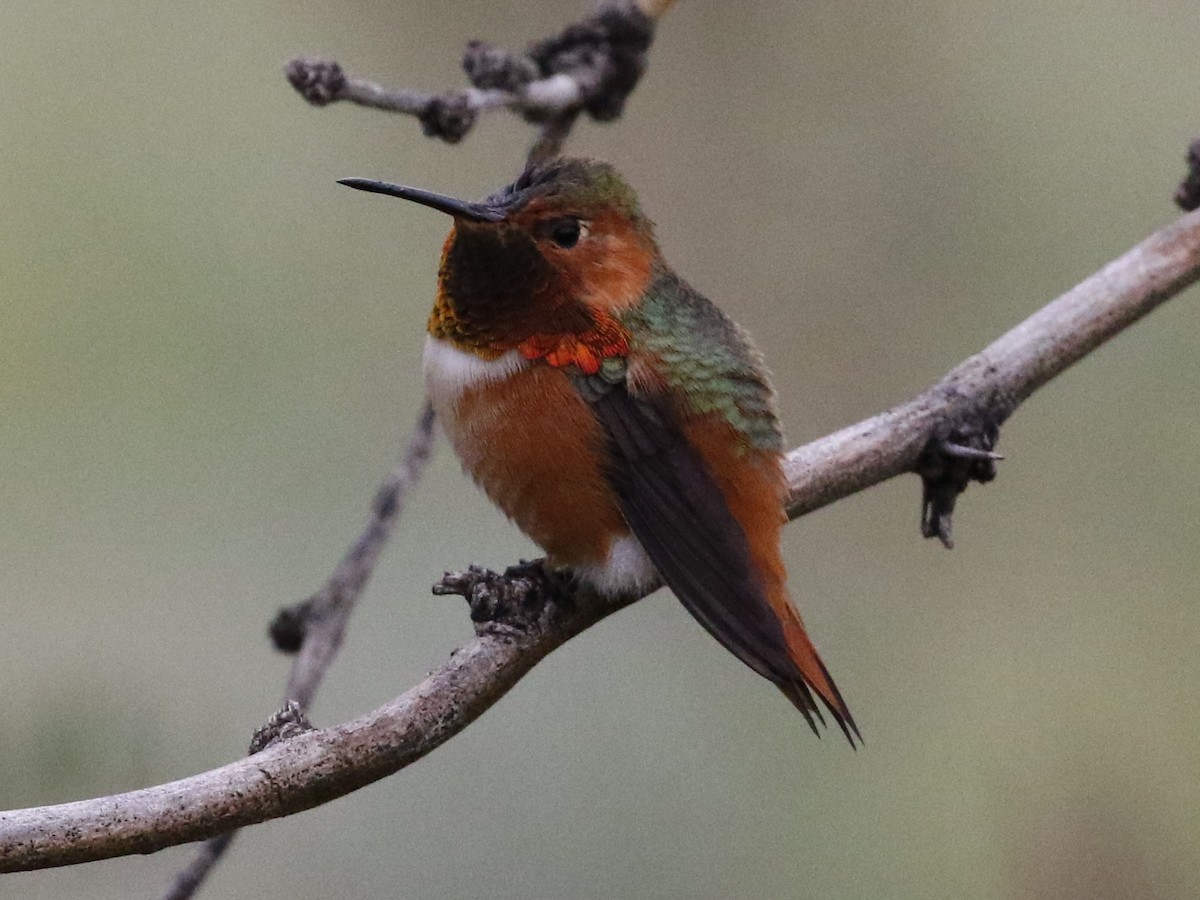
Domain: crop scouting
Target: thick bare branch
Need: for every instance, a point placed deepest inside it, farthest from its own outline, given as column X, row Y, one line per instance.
column 291, row 776
column 991, row 384
column 318, row 766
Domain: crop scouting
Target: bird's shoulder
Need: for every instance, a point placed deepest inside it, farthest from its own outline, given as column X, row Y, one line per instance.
column 683, row 346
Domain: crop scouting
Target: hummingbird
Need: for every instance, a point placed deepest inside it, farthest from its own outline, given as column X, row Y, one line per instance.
column 613, row 413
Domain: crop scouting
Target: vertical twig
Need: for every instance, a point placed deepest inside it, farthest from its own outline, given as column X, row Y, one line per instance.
column 318, row 625
column 551, row 138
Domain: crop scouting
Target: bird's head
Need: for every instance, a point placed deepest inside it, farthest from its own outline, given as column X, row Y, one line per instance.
column 563, row 247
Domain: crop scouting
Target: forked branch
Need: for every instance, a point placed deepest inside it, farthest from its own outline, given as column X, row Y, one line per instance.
column 591, row 67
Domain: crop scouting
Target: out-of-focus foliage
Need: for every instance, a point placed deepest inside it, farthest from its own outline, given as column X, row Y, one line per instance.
column 210, row 356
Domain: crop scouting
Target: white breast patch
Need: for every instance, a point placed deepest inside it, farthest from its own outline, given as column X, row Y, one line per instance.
column 450, row 371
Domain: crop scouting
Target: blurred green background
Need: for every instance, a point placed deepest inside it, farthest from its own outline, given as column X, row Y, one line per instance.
column 210, row 357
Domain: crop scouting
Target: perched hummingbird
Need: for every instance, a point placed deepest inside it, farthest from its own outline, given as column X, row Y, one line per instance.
column 619, row 418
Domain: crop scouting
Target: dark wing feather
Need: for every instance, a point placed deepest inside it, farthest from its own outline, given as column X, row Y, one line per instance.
column 677, row 511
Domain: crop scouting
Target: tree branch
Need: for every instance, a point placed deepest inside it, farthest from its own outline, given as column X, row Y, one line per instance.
column 525, row 619
column 314, row 629
column 323, row 617
column 592, row 66
column 990, row 385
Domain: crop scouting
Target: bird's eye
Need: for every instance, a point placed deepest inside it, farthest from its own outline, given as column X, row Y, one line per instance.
column 566, row 232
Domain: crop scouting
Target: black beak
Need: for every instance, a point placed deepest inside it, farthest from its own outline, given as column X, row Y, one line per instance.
column 460, row 209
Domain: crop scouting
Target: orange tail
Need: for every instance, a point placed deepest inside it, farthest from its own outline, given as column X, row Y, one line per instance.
column 814, row 678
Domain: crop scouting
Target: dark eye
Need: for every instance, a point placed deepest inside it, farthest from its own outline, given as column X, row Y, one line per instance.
column 566, row 232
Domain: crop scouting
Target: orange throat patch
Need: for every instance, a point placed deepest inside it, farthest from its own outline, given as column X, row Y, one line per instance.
column 587, row 350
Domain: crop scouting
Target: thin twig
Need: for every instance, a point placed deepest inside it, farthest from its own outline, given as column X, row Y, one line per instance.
column 329, row 610
column 1187, row 195
column 592, row 66
column 655, row 8
column 551, row 138
column 322, row 619
column 188, row 879
column 317, row 766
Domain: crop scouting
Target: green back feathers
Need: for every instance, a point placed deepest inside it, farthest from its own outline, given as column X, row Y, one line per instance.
column 706, row 357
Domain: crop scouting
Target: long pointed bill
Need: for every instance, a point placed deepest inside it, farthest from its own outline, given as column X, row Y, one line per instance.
column 460, row 209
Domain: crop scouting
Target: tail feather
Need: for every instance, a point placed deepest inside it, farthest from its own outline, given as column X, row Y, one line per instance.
column 801, row 696
column 814, row 678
